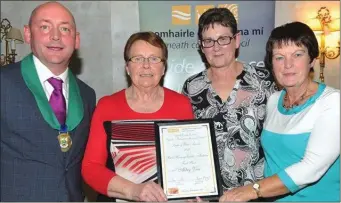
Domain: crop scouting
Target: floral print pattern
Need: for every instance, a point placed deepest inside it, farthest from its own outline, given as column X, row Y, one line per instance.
column 238, row 121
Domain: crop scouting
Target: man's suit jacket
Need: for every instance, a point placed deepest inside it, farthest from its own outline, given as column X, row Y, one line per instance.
column 33, row 168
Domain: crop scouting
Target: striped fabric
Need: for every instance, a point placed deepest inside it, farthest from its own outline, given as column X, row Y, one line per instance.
column 132, row 150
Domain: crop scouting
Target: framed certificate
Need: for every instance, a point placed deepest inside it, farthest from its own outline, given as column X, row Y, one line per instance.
column 187, row 159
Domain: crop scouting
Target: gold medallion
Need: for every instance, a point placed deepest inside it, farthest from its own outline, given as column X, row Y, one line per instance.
column 65, row 141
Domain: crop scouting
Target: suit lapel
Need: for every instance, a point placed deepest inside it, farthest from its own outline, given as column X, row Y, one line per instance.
column 80, row 133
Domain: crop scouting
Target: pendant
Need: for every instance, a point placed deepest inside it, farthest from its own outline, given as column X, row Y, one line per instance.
column 65, row 141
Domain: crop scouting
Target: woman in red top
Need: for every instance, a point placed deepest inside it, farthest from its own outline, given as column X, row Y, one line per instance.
column 146, row 55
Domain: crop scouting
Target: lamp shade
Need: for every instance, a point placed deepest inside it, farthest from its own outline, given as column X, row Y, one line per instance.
column 334, row 25
column 315, row 24
column 15, row 34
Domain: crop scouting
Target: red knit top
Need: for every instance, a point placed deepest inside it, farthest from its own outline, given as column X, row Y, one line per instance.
column 115, row 107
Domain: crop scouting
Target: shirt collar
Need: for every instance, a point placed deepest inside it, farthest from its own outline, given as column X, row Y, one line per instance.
column 44, row 73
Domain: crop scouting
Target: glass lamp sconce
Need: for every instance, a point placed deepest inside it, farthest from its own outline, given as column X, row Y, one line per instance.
column 327, row 31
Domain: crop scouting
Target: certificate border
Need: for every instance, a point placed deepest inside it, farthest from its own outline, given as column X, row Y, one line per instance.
column 159, row 124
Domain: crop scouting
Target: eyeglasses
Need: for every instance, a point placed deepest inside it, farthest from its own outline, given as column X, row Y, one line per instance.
column 224, row 40
column 142, row 60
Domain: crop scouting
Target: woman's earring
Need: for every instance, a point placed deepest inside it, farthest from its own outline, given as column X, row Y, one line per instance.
column 128, row 73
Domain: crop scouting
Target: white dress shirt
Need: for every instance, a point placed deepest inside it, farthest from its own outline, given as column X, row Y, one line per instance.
column 44, row 74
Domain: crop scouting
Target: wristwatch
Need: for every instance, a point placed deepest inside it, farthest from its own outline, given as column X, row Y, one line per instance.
column 256, row 187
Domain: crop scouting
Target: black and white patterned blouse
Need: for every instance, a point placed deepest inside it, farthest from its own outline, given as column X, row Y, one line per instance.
column 238, row 121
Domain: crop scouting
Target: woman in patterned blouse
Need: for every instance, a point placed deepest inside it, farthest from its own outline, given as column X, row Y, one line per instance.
column 234, row 95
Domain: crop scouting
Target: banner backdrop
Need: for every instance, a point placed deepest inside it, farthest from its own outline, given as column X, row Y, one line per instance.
column 176, row 22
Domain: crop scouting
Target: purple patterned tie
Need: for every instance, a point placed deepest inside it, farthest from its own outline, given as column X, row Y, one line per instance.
column 57, row 100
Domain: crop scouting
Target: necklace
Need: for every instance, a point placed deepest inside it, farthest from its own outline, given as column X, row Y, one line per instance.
column 296, row 102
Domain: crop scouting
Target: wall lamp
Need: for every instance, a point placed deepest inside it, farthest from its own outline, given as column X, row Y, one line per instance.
column 327, row 33
column 11, row 36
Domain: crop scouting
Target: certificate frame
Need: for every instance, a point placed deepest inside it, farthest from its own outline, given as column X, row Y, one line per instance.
column 214, row 190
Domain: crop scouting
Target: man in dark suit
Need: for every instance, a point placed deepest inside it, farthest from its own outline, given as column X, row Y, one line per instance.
column 45, row 113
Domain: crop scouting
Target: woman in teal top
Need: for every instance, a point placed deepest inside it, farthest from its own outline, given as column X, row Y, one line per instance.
column 301, row 133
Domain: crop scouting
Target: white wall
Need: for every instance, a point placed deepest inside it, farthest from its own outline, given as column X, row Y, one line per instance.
column 288, row 11
column 124, row 22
